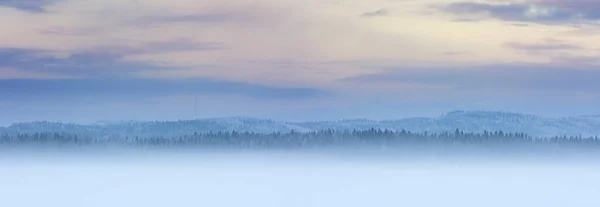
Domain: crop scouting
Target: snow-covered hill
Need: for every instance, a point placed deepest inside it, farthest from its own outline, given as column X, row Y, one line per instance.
column 479, row 121
column 470, row 121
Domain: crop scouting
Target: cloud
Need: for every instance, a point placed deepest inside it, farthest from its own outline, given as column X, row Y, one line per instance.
column 583, row 61
column 251, row 32
column 548, row 45
column 85, row 64
column 179, row 45
column 530, row 78
column 13, row 73
column 101, row 61
column 193, row 13
column 69, row 31
column 520, row 25
column 455, row 53
column 192, row 18
column 541, row 11
column 380, row 12
column 33, row 6
column 53, row 89
column 240, row 41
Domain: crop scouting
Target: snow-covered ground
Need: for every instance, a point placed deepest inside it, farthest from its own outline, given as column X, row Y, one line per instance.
column 291, row 180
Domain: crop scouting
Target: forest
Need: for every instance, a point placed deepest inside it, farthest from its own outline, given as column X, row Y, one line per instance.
column 322, row 138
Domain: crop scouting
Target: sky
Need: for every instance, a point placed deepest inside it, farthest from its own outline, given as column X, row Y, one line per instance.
column 89, row 60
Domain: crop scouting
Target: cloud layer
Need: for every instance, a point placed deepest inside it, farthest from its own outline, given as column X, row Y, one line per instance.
column 145, row 88
column 437, row 52
column 522, row 78
column 34, row 6
column 542, row 11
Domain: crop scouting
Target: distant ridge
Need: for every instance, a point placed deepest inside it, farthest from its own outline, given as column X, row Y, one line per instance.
column 468, row 121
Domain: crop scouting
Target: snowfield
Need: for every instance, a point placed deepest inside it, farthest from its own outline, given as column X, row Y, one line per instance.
column 279, row 179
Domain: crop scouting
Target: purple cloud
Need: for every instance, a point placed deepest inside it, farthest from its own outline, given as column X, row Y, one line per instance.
column 34, row 6
column 542, row 11
column 548, row 45
column 188, row 18
column 105, row 61
column 588, row 8
column 380, row 12
column 134, row 88
column 71, row 31
column 83, row 64
column 517, row 77
column 205, row 18
column 156, row 47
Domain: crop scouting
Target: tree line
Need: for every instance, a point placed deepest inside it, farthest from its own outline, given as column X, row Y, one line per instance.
column 330, row 137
